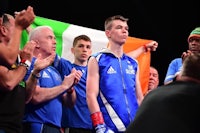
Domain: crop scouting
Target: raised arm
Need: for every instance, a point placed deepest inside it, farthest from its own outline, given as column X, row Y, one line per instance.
column 10, row 51
column 39, row 65
column 43, row 94
column 12, row 77
column 139, row 93
column 151, row 46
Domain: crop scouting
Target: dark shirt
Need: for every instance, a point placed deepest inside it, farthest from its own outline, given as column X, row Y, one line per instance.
column 172, row 108
column 12, row 106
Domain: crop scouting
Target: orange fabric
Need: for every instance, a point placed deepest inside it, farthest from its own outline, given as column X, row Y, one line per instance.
column 144, row 59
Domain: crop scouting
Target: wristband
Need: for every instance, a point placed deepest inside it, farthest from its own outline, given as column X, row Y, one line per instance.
column 70, row 91
column 97, row 118
column 37, row 76
column 25, row 63
column 145, row 48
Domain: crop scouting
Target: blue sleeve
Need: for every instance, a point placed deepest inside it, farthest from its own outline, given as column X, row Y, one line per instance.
column 173, row 69
column 63, row 66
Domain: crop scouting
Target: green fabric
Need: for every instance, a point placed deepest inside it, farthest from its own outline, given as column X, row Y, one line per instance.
column 22, row 83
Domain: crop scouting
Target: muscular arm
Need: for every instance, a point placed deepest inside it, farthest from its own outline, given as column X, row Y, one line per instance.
column 45, row 94
column 69, row 98
column 151, row 46
column 139, row 93
column 30, row 86
column 137, row 52
column 92, row 85
column 10, row 78
column 31, row 82
column 9, row 52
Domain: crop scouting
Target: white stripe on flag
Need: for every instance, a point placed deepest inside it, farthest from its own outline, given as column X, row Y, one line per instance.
column 98, row 38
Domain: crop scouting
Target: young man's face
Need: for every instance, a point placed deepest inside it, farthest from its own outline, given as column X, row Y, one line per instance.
column 82, row 50
column 119, row 32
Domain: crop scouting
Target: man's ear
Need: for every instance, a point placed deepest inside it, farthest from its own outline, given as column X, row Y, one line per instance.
column 3, row 30
column 37, row 44
column 72, row 50
column 107, row 32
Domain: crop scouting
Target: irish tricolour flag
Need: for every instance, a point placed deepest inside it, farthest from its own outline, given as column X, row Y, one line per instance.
column 66, row 32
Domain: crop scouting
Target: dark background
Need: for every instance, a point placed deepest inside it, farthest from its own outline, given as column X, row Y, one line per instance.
column 168, row 22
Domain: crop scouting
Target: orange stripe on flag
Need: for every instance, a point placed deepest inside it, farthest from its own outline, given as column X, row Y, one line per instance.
column 144, row 59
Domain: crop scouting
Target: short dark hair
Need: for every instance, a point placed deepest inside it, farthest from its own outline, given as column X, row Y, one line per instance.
column 5, row 18
column 191, row 66
column 108, row 22
column 81, row 37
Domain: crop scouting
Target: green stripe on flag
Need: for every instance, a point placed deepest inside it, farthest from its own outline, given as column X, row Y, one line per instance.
column 57, row 26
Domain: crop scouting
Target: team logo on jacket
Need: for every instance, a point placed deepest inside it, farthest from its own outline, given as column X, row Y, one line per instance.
column 111, row 70
column 130, row 70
